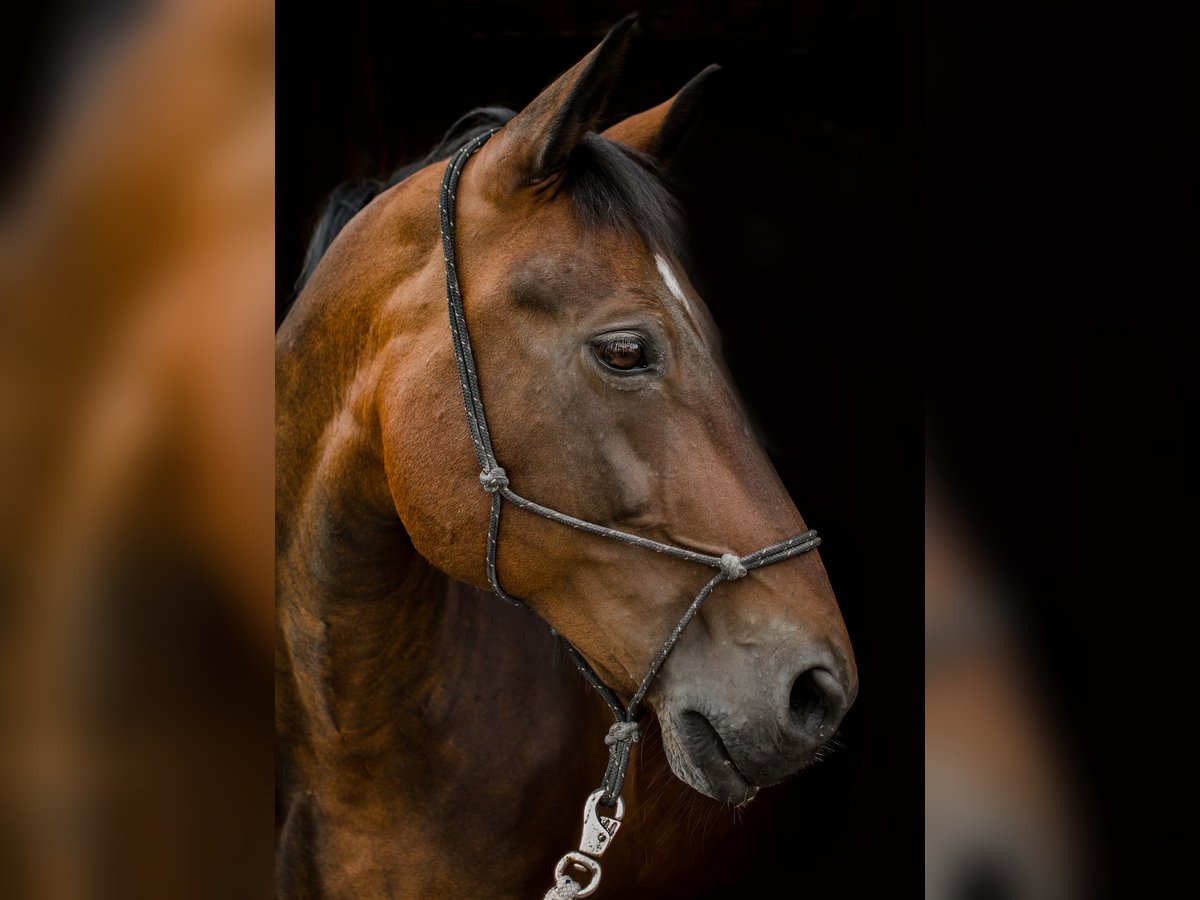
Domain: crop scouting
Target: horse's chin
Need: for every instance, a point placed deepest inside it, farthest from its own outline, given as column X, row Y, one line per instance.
column 698, row 757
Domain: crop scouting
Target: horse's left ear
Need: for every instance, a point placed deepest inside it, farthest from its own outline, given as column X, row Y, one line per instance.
column 660, row 131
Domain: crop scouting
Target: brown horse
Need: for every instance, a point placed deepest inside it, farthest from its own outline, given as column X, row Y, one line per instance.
column 432, row 740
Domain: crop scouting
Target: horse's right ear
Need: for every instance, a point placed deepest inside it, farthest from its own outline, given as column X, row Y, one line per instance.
column 660, row 130
column 535, row 145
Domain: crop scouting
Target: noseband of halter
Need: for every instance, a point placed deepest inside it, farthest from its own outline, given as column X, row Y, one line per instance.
column 495, row 481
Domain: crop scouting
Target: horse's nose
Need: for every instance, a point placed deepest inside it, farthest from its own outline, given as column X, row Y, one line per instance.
column 800, row 705
column 744, row 716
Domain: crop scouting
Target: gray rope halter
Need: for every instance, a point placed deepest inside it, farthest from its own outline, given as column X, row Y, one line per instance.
column 624, row 733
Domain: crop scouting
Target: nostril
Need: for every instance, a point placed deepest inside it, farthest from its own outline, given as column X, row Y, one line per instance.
column 815, row 699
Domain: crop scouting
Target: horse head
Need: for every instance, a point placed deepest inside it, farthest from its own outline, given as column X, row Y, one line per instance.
column 606, row 396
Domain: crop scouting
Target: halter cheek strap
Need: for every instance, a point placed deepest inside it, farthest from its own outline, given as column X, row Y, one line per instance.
column 730, row 567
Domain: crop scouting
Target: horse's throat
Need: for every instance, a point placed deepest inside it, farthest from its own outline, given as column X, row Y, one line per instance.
column 421, row 684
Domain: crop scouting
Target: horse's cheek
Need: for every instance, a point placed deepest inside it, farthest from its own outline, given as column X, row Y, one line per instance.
column 432, row 484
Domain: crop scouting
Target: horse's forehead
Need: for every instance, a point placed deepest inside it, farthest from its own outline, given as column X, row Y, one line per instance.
column 584, row 252
column 541, row 256
column 589, row 268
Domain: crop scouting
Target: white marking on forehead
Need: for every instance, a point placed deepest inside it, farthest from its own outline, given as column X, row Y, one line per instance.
column 668, row 276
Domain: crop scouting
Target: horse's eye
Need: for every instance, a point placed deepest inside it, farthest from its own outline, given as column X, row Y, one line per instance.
column 624, row 353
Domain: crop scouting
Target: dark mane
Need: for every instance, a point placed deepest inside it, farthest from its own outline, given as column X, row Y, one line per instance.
column 348, row 198
column 610, row 185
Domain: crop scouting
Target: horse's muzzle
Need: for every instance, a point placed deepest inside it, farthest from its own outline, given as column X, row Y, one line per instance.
column 727, row 742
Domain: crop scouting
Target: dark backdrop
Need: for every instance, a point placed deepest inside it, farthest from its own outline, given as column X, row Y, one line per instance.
column 1061, row 249
column 801, row 189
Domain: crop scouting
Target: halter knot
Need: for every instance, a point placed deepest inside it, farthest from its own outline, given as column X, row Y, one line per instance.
column 732, row 567
column 622, row 733
column 493, row 480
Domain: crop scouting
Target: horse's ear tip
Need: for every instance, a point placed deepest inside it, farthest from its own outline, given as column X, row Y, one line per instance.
column 620, row 32
column 618, row 37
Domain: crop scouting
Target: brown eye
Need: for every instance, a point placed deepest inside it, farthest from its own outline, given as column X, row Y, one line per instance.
column 624, row 353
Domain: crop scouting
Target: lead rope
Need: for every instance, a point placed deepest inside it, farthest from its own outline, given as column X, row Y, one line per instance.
column 598, row 829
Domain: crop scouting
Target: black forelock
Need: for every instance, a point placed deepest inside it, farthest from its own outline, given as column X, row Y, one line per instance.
column 617, row 187
column 610, row 186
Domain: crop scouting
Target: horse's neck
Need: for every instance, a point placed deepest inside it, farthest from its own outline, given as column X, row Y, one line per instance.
column 413, row 706
column 393, row 659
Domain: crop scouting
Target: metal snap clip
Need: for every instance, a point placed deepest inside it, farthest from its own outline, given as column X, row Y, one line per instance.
column 598, row 830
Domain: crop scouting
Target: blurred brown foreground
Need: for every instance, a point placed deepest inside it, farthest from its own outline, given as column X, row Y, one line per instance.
column 136, row 470
column 1000, row 807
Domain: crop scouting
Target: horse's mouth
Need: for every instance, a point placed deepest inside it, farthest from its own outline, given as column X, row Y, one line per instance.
column 698, row 756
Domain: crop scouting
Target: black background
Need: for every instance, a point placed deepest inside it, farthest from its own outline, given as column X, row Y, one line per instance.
column 976, row 221
column 1061, row 199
